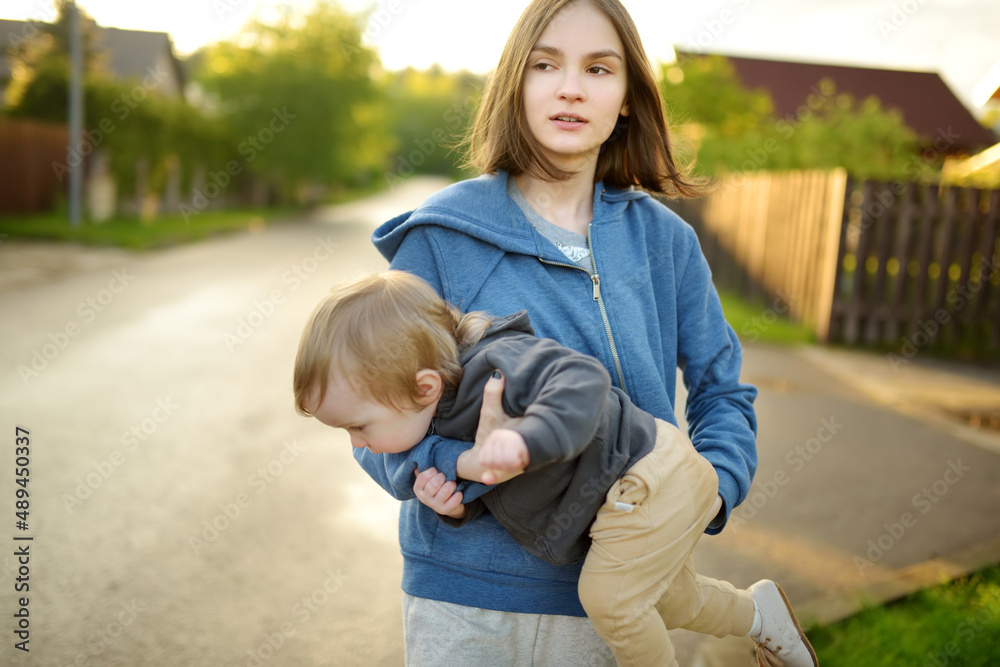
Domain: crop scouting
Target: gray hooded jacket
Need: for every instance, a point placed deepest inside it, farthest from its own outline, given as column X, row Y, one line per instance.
column 582, row 435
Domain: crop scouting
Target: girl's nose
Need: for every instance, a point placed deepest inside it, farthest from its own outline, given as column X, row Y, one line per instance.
column 571, row 87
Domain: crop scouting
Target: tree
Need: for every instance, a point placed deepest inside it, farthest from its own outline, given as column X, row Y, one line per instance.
column 44, row 50
column 298, row 95
column 735, row 129
column 429, row 113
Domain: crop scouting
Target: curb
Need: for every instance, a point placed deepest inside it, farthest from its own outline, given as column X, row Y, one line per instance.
column 827, row 609
column 838, row 606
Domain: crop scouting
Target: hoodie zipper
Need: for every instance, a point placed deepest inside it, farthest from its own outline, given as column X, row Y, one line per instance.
column 595, row 278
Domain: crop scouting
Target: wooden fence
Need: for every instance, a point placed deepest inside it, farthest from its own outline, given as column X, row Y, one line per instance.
column 896, row 264
column 28, row 148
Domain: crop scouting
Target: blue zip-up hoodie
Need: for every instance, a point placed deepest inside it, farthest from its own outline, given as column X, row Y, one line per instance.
column 648, row 308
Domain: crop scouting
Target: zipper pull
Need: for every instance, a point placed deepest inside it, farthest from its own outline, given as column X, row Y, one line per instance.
column 596, row 279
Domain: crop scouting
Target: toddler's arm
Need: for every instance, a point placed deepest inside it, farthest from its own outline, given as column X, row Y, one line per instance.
column 502, row 456
column 394, row 472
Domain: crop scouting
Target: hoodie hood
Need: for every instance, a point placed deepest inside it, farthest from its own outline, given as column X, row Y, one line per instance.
column 481, row 208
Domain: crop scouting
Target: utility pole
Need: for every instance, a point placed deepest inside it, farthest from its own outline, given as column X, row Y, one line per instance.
column 75, row 117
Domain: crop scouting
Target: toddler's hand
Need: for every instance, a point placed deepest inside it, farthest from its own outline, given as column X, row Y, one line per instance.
column 434, row 490
column 504, row 452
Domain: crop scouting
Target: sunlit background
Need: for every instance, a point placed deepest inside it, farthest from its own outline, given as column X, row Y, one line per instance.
column 236, row 156
column 958, row 38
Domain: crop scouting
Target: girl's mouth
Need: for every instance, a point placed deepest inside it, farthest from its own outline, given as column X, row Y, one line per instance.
column 568, row 121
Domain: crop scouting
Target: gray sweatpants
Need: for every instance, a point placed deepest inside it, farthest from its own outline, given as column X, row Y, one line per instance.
column 441, row 633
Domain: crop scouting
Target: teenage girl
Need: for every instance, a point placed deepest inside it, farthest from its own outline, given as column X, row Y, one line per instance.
column 570, row 138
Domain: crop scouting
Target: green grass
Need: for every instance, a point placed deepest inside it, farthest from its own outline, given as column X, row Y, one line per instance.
column 763, row 321
column 956, row 624
column 132, row 233
column 165, row 230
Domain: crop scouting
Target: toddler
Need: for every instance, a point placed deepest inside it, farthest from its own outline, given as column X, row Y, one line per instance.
column 385, row 358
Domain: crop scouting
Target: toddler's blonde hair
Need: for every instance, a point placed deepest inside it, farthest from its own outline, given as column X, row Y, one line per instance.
column 376, row 332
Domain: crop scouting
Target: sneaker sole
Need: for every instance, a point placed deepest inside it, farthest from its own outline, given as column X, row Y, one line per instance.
column 795, row 620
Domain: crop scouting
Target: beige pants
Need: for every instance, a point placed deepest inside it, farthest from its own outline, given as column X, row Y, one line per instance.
column 638, row 580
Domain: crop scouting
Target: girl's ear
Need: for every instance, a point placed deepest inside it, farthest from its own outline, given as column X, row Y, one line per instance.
column 431, row 385
column 624, row 111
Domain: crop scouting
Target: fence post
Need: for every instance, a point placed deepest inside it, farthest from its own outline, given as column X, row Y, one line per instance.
column 829, row 268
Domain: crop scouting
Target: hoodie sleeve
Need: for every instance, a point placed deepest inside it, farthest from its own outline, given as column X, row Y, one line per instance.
column 720, row 415
column 560, row 393
column 396, row 472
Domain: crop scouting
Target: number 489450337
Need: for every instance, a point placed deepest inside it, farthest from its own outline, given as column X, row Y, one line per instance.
column 22, row 473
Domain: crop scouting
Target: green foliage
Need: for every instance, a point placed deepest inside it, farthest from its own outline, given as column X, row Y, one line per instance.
column 429, row 113
column 314, row 71
column 954, row 624
column 296, row 105
column 736, row 129
column 758, row 322
column 46, row 47
column 170, row 229
column 130, row 122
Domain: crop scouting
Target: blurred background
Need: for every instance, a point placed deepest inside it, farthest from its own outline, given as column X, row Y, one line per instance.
column 235, row 157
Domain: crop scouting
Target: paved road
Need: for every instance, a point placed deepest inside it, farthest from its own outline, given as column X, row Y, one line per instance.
column 183, row 514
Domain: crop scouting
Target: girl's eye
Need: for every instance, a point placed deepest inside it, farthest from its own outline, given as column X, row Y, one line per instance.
column 599, row 69
column 543, row 66
column 355, row 429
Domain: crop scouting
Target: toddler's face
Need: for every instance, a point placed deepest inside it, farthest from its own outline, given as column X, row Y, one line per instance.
column 380, row 428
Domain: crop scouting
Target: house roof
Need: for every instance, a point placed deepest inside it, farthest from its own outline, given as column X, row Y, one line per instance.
column 988, row 87
column 924, row 99
column 130, row 52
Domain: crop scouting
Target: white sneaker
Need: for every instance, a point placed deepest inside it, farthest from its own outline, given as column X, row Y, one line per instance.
column 780, row 635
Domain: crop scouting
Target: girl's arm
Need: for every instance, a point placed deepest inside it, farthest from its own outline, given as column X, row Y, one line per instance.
column 720, row 415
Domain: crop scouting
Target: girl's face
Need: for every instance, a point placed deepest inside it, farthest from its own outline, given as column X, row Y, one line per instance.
column 575, row 85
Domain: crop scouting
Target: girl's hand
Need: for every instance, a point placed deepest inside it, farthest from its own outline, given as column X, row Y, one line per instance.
column 433, row 490
column 492, row 419
column 491, row 415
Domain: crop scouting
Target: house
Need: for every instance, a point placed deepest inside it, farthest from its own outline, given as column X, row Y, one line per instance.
column 39, row 150
column 130, row 55
column 928, row 106
column 982, row 169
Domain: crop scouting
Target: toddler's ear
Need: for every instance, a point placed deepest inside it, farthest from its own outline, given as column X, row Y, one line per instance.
column 431, row 385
